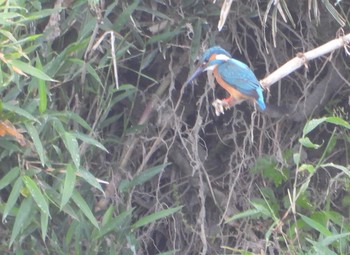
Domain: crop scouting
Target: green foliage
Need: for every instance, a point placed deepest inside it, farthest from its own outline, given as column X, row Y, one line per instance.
column 92, row 112
column 60, row 97
column 324, row 232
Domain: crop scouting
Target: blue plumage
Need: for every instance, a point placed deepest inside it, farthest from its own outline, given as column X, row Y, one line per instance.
column 211, row 51
column 233, row 75
column 241, row 77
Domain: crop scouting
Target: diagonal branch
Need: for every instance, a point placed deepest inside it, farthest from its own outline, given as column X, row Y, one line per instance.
column 302, row 58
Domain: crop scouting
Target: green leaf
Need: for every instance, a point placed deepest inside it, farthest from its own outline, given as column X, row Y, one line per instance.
column 126, row 91
column 69, row 184
column 81, row 203
column 44, row 221
column 316, row 225
column 41, row 89
column 89, row 140
column 310, row 168
column 331, row 239
column 72, row 146
column 150, row 56
column 141, row 178
column 54, row 198
column 261, row 207
column 107, row 217
column 312, row 124
column 90, row 178
column 336, row 15
column 286, row 9
column 36, row 194
column 306, row 142
column 88, row 68
column 245, row 214
column 73, row 116
column 124, row 17
column 344, row 169
column 114, row 223
column 304, row 186
column 9, row 177
column 28, row 69
column 296, row 158
column 11, row 201
column 155, row 216
column 37, row 142
column 19, row 111
column 22, row 217
column 163, row 37
column 42, row 14
column 338, row 121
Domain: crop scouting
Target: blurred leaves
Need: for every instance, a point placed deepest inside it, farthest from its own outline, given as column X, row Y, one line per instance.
column 70, row 138
column 141, row 178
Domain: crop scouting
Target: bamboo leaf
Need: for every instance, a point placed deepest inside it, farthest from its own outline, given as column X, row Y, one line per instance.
column 155, row 216
column 28, row 69
column 9, row 177
column 44, row 221
column 81, row 203
column 72, row 146
column 89, row 178
column 68, row 187
column 89, row 140
column 36, row 194
column 11, row 201
column 21, row 218
column 37, row 142
column 41, row 89
column 19, row 111
column 114, row 223
column 124, row 17
column 141, row 178
column 245, row 214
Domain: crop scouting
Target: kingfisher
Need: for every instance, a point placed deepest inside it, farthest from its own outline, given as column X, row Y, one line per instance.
column 233, row 75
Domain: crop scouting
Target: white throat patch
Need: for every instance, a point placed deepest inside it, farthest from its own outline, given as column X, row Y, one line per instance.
column 222, row 57
column 211, row 68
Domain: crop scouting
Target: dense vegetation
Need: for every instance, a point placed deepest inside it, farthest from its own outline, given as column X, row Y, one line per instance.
column 104, row 151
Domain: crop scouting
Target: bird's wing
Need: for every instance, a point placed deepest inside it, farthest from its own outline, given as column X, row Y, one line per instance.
column 240, row 77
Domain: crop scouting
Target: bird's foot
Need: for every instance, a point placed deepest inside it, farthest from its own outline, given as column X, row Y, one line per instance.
column 220, row 106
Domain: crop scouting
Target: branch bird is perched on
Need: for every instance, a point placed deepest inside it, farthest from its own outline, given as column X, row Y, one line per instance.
column 234, row 76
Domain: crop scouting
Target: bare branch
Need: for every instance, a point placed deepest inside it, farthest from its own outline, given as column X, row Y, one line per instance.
column 302, row 59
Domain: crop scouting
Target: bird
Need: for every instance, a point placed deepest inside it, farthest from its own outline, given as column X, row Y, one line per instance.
column 231, row 74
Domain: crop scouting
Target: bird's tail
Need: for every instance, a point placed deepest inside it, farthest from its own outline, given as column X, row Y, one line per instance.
column 260, row 100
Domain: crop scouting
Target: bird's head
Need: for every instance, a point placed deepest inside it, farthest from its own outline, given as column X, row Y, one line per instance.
column 210, row 59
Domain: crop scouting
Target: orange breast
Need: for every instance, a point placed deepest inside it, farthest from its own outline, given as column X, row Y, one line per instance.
column 233, row 92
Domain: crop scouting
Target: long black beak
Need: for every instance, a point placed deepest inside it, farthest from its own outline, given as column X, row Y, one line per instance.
column 198, row 71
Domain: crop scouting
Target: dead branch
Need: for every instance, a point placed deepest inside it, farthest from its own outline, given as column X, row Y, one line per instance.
column 302, row 59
